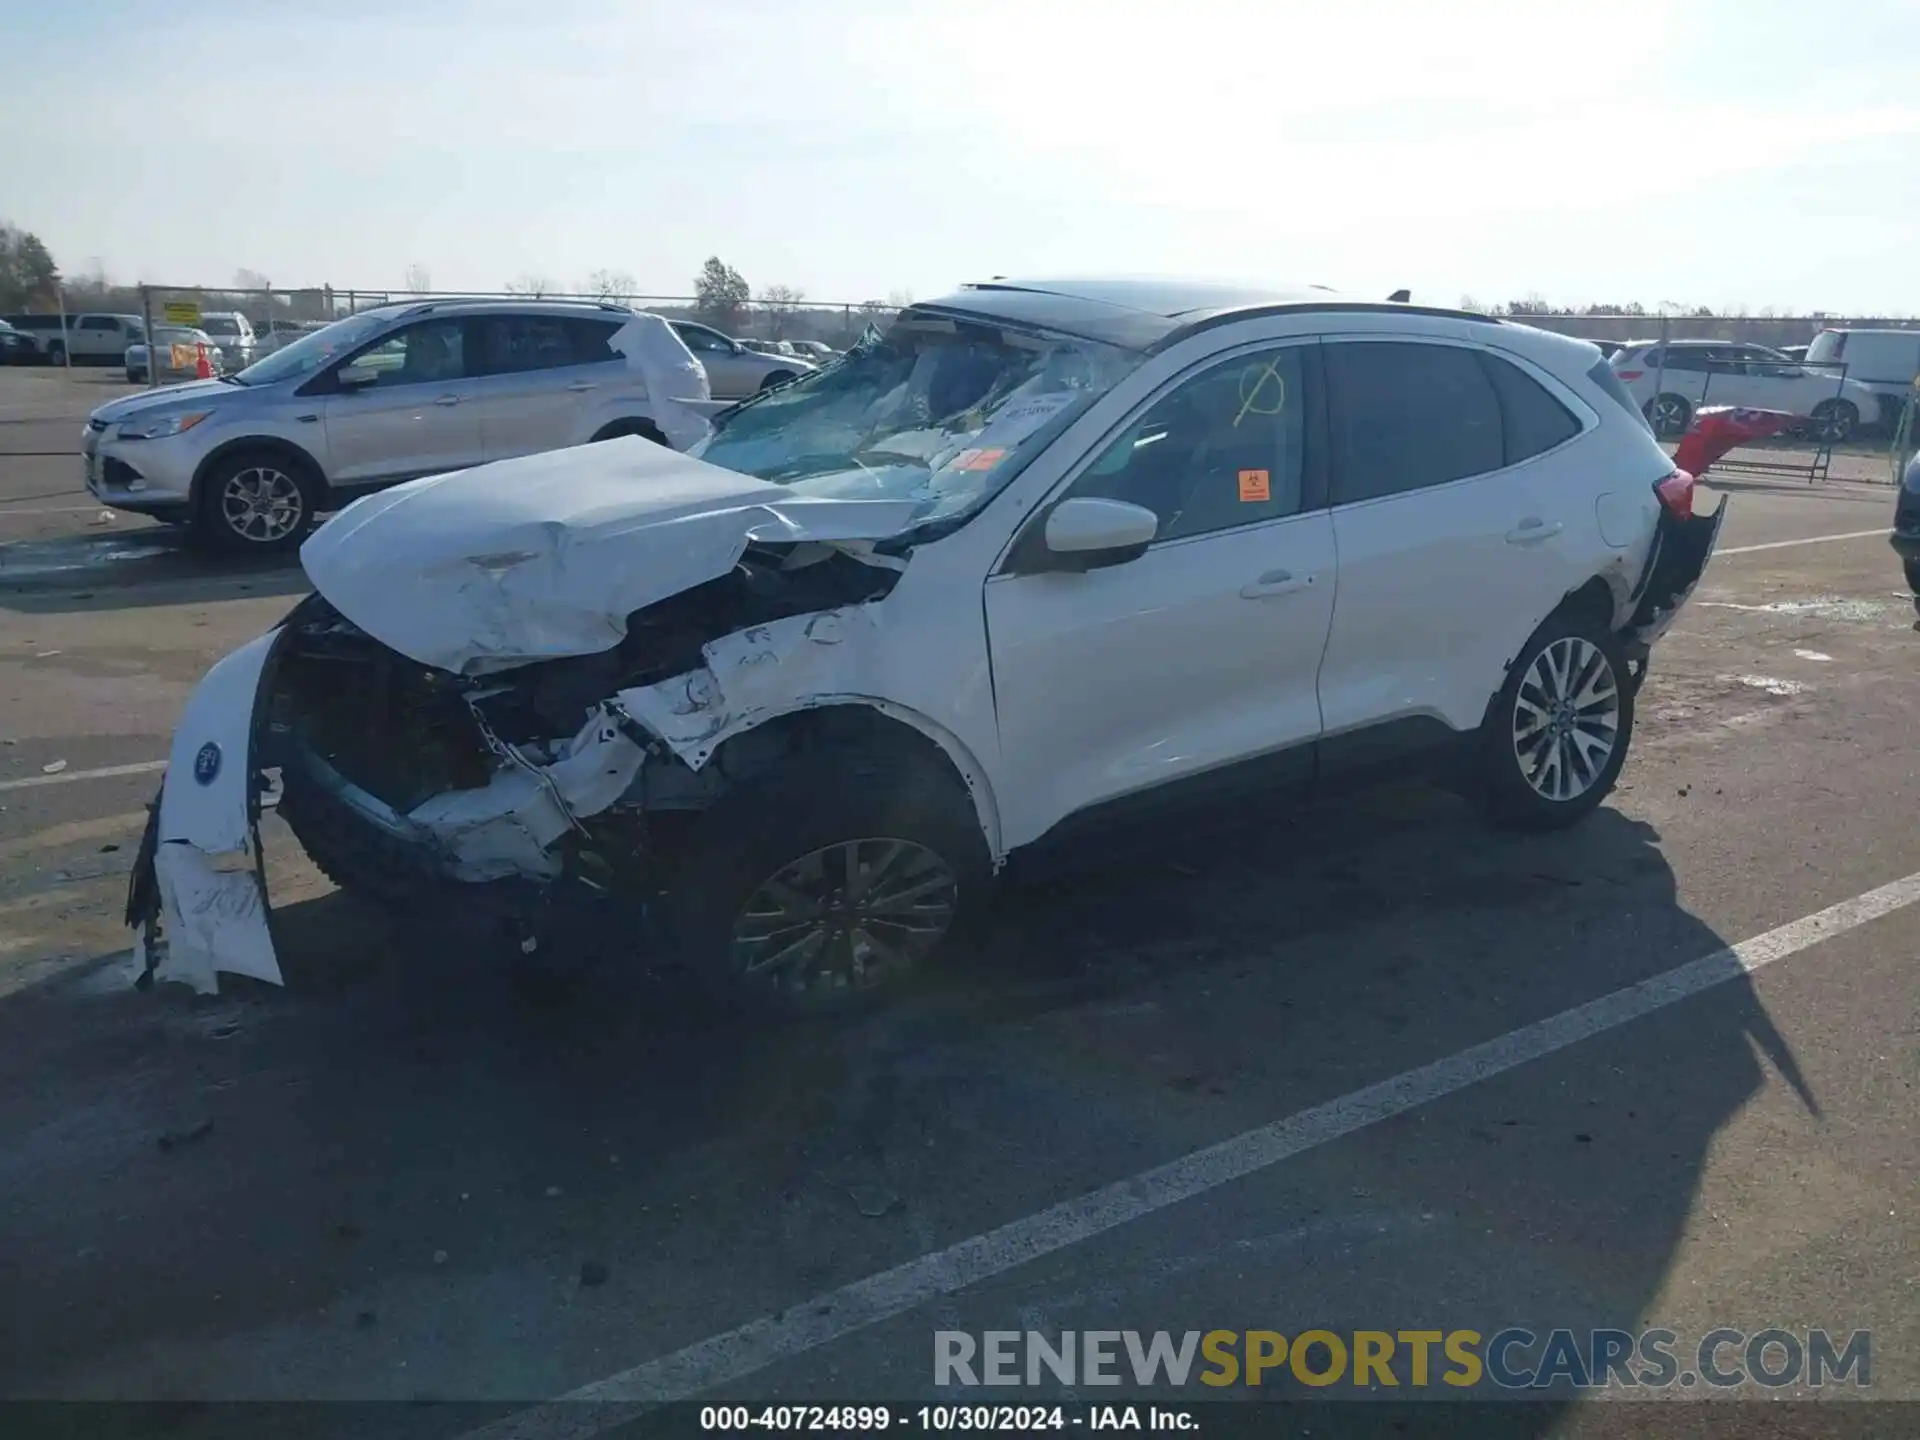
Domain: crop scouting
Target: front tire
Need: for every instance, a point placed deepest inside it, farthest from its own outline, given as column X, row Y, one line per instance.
column 56, row 353
column 778, row 377
column 1834, row 421
column 1557, row 734
column 824, row 887
column 257, row 502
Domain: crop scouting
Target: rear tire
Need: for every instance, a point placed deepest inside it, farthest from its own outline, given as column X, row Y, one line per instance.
column 1669, row 415
column 1557, row 734
column 814, row 890
column 56, row 353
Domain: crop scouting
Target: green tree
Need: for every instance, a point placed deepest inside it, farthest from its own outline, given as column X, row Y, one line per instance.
column 28, row 276
column 720, row 293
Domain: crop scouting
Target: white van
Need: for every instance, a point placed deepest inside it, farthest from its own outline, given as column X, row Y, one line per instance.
column 1885, row 361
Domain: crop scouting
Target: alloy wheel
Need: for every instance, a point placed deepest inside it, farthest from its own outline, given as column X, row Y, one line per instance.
column 1566, row 719
column 846, row 917
column 262, row 504
column 1669, row 415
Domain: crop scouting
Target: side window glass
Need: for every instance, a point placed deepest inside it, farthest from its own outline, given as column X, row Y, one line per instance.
column 1532, row 421
column 703, row 342
column 512, row 344
column 587, row 341
column 430, row 353
column 1406, row 416
column 1225, row 448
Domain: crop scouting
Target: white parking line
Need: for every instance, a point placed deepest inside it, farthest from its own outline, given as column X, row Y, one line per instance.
column 1809, row 540
column 67, row 777
column 809, row 1324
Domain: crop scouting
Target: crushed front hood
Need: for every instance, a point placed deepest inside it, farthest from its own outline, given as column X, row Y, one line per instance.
column 547, row 555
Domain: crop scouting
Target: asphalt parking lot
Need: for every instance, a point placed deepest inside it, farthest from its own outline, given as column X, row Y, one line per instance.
column 423, row 1172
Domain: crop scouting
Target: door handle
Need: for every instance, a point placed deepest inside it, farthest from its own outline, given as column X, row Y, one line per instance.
column 1275, row 582
column 1532, row 530
column 447, row 400
column 578, row 385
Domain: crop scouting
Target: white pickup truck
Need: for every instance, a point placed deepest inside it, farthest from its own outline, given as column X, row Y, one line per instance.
column 88, row 338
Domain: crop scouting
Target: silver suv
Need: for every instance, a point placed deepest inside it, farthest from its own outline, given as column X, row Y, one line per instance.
column 388, row 395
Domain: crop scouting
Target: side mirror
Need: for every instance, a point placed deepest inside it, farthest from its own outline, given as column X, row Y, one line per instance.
column 355, row 377
column 1084, row 533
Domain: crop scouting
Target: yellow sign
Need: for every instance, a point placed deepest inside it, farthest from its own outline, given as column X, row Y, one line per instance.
column 181, row 312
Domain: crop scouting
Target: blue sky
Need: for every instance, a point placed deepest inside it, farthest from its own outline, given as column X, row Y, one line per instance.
column 1724, row 152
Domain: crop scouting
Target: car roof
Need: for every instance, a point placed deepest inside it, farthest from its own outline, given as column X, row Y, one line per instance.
column 1144, row 313
column 470, row 305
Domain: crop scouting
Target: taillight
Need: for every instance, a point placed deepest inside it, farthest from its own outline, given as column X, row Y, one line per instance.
column 1676, row 493
column 1629, row 374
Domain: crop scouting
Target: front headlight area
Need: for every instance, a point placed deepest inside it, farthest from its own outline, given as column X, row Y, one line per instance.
column 162, row 427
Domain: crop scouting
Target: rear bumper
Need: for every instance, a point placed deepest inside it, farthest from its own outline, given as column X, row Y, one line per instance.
column 1681, row 550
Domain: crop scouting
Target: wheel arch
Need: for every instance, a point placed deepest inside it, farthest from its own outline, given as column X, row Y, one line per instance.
column 873, row 720
column 645, row 426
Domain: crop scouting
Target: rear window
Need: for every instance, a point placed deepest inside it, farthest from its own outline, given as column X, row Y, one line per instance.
column 1532, row 421
column 1602, row 375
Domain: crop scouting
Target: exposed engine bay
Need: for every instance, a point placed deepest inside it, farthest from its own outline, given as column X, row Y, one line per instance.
column 534, row 774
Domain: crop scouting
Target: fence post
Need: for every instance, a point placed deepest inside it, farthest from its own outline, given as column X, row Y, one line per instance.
column 1660, row 370
column 66, row 343
column 146, row 324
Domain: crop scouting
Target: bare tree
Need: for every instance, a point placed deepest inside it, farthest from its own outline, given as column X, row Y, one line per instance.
column 419, row 282
column 532, row 286
column 780, row 304
column 611, row 285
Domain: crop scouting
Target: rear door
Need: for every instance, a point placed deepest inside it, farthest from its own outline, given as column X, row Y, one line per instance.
column 417, row 418
column 539, row 378
column 1460, row 521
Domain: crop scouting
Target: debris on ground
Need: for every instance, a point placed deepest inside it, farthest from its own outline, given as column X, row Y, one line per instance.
column 365, row 1320
column 53, row 767
column 108, row 848
column 873, row 1201
column 592, row 1274
column 48, row 654
column 553, row 1192
column 105, row 517
column 199, row 1130
column 439, row 1257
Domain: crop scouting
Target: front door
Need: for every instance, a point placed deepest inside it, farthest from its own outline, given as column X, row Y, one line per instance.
column 1148, row 683
column 416, row 418
column 538, row 380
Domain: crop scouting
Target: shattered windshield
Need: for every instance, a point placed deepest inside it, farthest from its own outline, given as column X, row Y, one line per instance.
column 937, row 410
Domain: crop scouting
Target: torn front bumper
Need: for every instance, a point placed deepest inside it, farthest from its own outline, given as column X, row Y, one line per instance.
column 198, row 896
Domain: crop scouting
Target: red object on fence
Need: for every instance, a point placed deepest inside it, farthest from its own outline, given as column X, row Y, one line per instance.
column 1719, row 428
column 202, row 365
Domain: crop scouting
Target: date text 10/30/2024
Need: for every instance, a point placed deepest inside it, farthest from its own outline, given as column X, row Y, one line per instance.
column 836, row 1419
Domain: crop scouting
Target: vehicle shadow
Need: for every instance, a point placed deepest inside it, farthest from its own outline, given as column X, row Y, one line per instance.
column 73, row 575
column 417, row 1110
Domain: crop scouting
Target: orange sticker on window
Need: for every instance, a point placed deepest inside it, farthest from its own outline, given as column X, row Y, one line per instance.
column 1255, row 487
column 978, row 459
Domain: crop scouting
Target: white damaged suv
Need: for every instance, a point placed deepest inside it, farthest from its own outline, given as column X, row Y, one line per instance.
column 1039, row 561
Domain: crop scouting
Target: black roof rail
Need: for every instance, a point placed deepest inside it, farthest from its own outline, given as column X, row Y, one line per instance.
column 1400, row 297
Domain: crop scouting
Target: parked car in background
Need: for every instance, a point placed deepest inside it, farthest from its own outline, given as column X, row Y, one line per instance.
column 275, row 335
column 1608, row 348
column 1041, row 562
column 179, row 357
column 1794, row 352
column 1884, row 361
column 817, row 351
column 1906, row 526
column 1722, row 372
column 47, row 333
column 733, row 370
column 390, row 394
column 233, row 333
column 768, row 347
column 90, row 338
column 16, row 346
